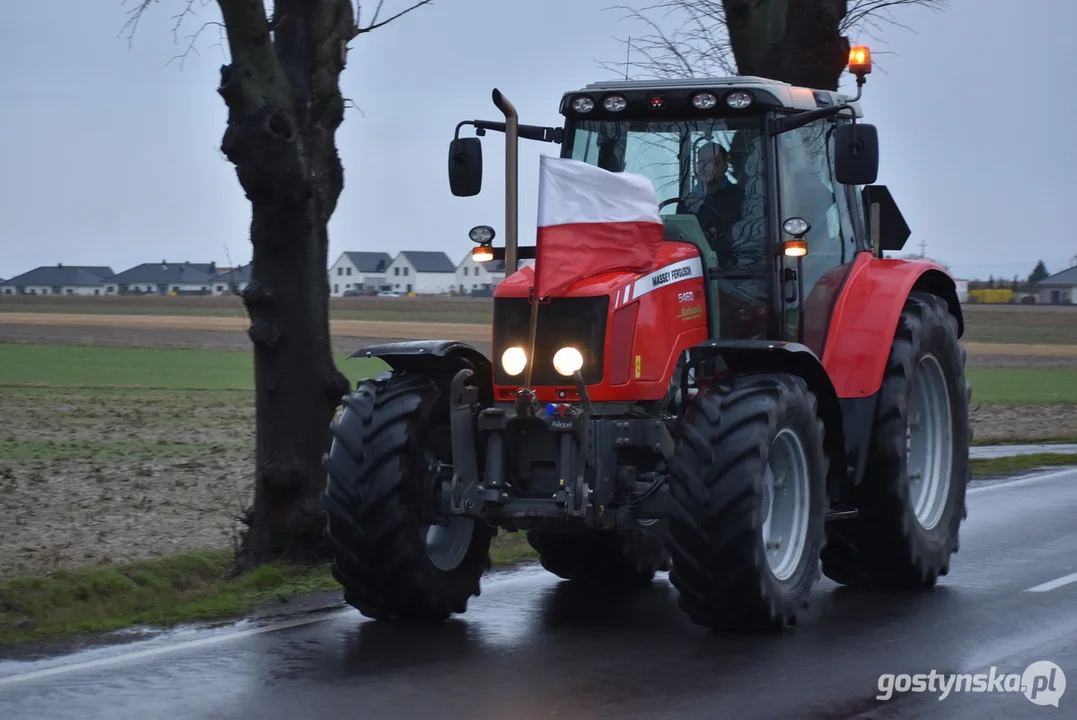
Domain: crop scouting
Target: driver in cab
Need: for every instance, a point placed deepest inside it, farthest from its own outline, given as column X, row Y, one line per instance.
column 714, row 200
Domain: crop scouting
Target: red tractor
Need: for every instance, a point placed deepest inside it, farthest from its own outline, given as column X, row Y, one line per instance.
column 772, row 399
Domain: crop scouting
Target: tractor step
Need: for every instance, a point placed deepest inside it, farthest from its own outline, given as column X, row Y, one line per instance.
column 841, row 514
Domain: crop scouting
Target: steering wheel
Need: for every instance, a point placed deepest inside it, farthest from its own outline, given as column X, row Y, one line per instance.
column 713, row 230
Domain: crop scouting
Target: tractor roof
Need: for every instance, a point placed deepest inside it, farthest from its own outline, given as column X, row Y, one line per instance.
column 769, row 93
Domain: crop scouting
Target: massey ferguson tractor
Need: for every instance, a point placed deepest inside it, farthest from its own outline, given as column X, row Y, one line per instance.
column 734, row 385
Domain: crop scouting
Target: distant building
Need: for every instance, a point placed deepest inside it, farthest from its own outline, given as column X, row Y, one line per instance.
column 421, row 272
column 231, row 281
column 163, row 278
column 480, row 278
column 359, row 271
column 58, row 280
column 1059, row 289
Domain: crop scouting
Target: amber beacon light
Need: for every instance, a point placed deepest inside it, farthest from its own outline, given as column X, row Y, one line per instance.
column 860, row 60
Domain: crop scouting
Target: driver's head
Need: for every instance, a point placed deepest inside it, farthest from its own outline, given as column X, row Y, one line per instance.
column 712, row 162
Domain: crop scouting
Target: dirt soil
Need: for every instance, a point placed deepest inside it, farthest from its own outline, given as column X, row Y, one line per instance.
column 82, row 482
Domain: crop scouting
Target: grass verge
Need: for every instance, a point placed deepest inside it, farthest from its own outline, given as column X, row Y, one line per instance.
column 86, row 367
column 180, row 588
column 985, row 467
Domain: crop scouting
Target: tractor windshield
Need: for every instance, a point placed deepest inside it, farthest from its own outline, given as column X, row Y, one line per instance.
column 709, row 178
column 710, row 168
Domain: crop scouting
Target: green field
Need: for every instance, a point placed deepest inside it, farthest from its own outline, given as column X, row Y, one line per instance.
column 180, row 369
column 64, row 366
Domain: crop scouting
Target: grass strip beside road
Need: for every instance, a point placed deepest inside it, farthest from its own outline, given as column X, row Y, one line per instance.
column 184, row 369
column 994, row 467
column 160, row 593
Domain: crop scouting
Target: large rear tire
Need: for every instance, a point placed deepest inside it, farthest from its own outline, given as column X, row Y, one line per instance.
column 607, row 558
column 391, row 563
column 747, row 504
column 911, row 501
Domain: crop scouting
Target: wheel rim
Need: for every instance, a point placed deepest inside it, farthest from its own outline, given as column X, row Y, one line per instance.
column 446, row 544
column 928, row 447
column 785, row 504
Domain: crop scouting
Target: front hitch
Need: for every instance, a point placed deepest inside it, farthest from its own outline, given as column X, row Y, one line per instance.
column 465, row 475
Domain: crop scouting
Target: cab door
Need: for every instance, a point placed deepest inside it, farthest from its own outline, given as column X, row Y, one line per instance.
column 809, row 285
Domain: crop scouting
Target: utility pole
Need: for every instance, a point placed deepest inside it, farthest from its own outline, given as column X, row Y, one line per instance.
column 923, row 249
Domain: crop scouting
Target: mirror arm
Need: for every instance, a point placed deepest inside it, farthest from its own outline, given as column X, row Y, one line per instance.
column 527, row 132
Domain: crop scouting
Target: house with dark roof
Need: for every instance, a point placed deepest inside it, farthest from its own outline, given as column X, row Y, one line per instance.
column 58, row 279
column 1058, row 289
column 480, row 278
column 164, row 278
column 422, row 272
column 359, row 271
column 231, row 281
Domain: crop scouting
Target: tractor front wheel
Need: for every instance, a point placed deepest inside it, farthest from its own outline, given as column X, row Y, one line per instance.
column 392, row 562
column 747, row 504
column 912, row 499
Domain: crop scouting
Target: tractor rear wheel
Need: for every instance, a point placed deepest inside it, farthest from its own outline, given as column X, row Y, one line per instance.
column 607, row 558
column 391, row 562
column 747, row 504
column 912, row 499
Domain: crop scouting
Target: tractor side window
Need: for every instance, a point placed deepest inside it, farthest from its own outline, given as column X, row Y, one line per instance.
column 809, row 191
column 845, row 215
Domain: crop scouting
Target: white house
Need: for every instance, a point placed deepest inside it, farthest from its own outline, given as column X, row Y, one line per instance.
column 163, row 278
column 231, row 281
column 1059, row 289
column 58, row 280
column 481, row 277
column 421, row 272
column 359, row 271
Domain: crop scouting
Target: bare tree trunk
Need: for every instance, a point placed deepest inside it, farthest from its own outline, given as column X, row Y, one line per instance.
column 794, row 41
column 285, row 105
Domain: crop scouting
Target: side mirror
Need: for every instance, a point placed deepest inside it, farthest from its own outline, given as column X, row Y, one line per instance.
column 856, row 160
column 886, row 225
column 465, row 166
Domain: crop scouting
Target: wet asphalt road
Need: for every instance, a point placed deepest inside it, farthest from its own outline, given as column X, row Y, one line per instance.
column 531, row 647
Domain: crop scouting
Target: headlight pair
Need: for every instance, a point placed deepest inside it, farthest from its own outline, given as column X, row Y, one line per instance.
column 566, row 361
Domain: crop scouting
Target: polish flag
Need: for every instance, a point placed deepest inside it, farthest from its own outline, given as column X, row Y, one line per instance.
column 592, row 221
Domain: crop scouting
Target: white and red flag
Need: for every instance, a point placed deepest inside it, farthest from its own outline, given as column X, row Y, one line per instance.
column 592, row 221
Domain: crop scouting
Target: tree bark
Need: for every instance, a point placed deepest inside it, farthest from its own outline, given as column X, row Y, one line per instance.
column 284, row 106
column 793, row 41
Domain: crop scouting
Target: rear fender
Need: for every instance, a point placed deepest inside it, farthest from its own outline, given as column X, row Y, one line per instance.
column 866, row 314
column 754, row 356
column 435, row 357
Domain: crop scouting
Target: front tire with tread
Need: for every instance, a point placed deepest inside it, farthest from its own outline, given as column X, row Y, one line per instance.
column 377, row 479
column 717, row 508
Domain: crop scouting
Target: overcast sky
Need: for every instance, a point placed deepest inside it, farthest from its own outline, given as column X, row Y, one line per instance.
column 109, row 154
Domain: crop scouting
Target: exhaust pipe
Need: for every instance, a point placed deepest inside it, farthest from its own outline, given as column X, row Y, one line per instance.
column 511, row 180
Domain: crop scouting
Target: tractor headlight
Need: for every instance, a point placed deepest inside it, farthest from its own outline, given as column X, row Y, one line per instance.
column 514, row 360
column 567, row 361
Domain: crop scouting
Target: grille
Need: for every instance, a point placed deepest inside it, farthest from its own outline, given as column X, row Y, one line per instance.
column 579, row 322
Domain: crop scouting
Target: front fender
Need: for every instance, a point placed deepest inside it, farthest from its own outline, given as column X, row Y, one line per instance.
column 752, row 356
column 433, row 357
column 866, row 314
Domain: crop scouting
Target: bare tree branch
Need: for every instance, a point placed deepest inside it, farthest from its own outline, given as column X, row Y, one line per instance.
column 188, row 9
column 374, row 24
column 688, row 38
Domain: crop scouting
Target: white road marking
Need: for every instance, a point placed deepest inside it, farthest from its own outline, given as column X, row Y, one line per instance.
column 1053, row 584
column 170, row 648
